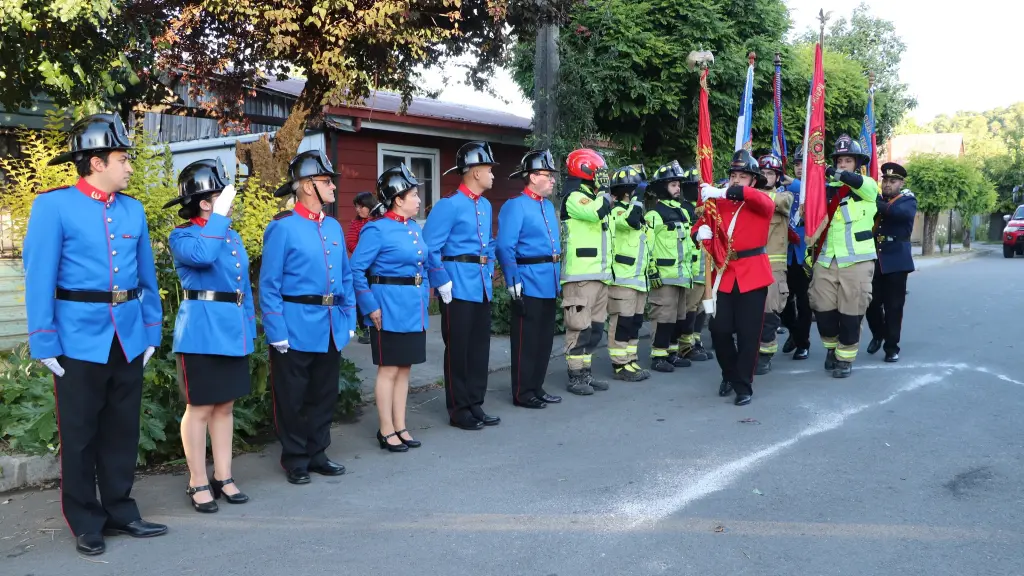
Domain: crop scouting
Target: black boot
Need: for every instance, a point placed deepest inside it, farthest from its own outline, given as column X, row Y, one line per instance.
column 627, row 373
column 577, row 385
column 789, row 346
column 764, row 364
column 678, row 361
column 662, row 364
column 830, row 360
column 843, row 369
column 588, row 379
column 700, row 347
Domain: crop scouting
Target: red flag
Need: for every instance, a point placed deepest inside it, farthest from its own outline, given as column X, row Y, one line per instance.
column 813, row 183
column 704, row 150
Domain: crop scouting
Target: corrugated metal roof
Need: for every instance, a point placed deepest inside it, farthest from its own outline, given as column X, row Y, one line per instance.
column 423, row 107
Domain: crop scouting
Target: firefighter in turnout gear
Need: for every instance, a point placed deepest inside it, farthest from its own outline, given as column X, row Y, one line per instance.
column 586, row 266
column 778, row 243
column 627, row 294
column 670, row 266
column 840, row 290
column 690, row 347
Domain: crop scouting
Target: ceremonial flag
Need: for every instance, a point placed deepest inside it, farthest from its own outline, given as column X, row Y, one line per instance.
column 868, row 140
column 778, row 134
column 812, row 185
column 744, row 140
column 705, row 152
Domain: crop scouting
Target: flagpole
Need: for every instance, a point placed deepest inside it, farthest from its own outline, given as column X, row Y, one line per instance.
column 703, row 60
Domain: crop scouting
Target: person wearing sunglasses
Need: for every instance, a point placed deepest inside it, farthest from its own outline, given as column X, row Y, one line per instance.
column 389, row 270
column 94, row 320
column 309, row 315
column 215, row 330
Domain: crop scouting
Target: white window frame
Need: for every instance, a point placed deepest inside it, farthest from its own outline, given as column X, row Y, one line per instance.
column 399, row 150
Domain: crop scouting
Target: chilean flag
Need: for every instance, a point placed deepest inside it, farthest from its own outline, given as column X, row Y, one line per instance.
column 867, row 135
column 744, row 140
column 812, row 185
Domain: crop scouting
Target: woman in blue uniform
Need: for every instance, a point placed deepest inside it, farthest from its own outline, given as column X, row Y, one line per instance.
column 389, row 269
column 215, row 328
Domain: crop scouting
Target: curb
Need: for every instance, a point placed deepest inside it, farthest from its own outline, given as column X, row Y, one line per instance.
column 24, row 471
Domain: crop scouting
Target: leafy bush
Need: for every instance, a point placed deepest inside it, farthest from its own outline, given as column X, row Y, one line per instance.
column 501, row 312
column 26, row 387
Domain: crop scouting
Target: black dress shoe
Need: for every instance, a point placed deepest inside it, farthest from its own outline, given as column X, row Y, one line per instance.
column 892, row 356
column 298, row 476
column 874, row 345
column 789, row 346
column 218, row 491
column 411, row 443
column 534, row 402
column 742, row 399
column 724, row 389
column 139, row 529
column 549, row 398
column 204, row 507
column 488, row 420
column 90, row 544
column 467, row 423
column 328, row 468
column 383, row 441
column 801, row 354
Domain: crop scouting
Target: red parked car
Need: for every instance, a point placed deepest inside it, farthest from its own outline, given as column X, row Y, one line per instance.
column 1013, row 234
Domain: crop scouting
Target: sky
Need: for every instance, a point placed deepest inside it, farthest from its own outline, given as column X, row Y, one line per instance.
column 960, row 56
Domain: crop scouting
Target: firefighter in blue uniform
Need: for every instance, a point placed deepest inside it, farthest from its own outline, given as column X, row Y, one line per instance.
column 308, row 306
column 529, row 251
column 94, row 319
column 458, row 230
column 215, row 330
column 894, row 224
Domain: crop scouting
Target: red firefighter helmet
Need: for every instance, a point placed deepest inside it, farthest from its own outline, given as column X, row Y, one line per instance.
column 584, row 164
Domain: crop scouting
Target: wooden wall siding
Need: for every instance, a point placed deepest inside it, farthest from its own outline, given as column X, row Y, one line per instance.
column 13, row 327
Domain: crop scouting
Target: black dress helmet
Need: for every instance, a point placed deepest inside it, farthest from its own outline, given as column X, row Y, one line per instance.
column 472, row 154
column 744, row 162
column 534, row 161
column 393, row 182
column 305, row 165
column 199, row 180
column 95, row 133
column 846, row 146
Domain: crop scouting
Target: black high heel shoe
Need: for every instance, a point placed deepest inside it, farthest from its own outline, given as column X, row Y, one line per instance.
column 206, row 507
column 410, row 443
column 391, row 447
column 218, row 491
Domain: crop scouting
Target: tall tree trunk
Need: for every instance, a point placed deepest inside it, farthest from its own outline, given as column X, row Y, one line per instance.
column 931, row 221
column 967, row 234
column 545, row 87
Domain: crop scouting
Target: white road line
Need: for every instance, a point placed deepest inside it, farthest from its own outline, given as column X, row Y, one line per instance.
column 668, row 494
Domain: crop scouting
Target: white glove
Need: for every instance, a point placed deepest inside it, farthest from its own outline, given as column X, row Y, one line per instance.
column 150, row 350
column 351, row 333
column 54, row 366
column 281, row 346
column 222, row 205
column 708, row 192
column 445, row 290
column 516, row 291
column 704, row 232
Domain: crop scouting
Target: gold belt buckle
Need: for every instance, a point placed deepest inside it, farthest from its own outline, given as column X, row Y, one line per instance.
column 120, row 296
column 483, row 260
column 419, row 279
column 239, row 297
column 556, row 258
column 732, row 254
column 327, row 300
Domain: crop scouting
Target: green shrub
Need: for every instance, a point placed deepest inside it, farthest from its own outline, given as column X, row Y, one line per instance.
column 501, row 308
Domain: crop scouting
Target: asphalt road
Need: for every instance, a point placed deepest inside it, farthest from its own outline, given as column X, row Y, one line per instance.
column 903, row 469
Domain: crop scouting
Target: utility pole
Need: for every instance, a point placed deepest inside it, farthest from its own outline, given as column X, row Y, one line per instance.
column 545, row 85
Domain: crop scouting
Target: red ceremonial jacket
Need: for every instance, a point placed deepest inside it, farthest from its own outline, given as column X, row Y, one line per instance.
column 751, row 272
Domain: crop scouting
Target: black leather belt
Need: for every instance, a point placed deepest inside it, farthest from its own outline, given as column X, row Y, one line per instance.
column 738, row 254
column 893, row 239
column 211, row 296
column 115, row 297
column 470, row 258
column 314, row 299
column 397, row 281
column 538, row 259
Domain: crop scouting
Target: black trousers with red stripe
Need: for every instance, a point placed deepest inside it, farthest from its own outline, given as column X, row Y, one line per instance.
column 466, row 331
column 533, row 333
column 98, row 421
column 740, row 315
column 305, row 388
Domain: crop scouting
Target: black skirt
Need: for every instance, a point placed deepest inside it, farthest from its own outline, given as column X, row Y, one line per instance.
column 206, row 379
column 397, row 348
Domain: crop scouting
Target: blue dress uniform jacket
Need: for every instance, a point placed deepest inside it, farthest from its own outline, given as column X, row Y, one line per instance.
column 393, row 246
column 79, row 239
column 460, row 225
column 304, row 254
column 528, row 227
column 892, row 237
column 208, row 255
column 796, row 252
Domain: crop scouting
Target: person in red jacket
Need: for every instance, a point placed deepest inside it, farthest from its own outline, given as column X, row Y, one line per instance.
column 365, row 204
column 735, row 234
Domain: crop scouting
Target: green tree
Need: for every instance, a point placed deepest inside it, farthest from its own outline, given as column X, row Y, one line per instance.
column 873, row 43
column 942, row 183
